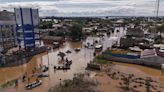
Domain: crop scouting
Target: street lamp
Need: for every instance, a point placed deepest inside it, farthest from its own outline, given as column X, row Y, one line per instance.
column 60, row 81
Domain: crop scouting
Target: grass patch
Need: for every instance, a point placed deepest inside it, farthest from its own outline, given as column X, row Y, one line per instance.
column 121, row 51
column 102, row 61
column 102, row 56
column 8, row 84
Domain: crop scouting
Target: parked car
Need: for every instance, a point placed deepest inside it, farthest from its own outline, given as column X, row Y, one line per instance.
column 98, row 47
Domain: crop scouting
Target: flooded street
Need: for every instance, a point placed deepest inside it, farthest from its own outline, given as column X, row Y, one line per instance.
column 79, row 63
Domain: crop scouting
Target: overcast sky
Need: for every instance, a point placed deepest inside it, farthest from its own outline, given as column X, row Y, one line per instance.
column 87, row 7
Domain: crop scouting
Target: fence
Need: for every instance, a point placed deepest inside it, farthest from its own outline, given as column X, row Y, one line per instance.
column 137, row 60
column 142, row 62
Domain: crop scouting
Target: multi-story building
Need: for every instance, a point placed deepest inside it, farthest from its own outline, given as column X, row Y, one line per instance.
column 7, row 30
column 27, row 20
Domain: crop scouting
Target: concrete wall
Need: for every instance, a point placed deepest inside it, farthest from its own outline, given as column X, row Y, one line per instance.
column 142, row 62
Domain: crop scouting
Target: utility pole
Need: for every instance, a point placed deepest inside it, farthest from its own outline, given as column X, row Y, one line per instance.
column 157, row 14
column 158, row 1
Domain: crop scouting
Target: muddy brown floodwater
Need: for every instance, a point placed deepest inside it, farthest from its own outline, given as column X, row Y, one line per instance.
column 79, row 63
column 79, row 59
column 107, row 84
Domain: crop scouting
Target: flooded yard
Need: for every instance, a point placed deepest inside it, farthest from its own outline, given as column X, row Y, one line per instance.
column 112, row 80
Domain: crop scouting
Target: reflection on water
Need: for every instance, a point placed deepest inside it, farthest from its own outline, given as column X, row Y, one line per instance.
column 79, row 59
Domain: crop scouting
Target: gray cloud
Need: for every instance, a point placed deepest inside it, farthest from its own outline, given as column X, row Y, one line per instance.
column 88, row 7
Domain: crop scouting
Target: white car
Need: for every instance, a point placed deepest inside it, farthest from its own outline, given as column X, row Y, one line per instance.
column 161, row 50
column 98, row 47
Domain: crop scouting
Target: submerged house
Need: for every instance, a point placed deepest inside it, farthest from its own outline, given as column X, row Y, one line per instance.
column 135, row 32
column 52, row 39
column 131, row 37
column 127, row 41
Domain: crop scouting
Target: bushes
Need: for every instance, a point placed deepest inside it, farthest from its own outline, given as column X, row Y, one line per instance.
column 8, row 84
column 78, row 84
column 101, row 61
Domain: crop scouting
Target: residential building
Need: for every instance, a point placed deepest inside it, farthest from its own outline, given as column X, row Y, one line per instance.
column 135, row 32
column 127, row 41
column 7, row 30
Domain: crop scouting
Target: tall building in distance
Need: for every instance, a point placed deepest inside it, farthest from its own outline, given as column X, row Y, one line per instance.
column 27, row 21
column 7, row 30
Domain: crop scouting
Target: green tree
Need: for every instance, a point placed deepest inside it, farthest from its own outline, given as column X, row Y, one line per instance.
column 76, row 32
column 46, row 24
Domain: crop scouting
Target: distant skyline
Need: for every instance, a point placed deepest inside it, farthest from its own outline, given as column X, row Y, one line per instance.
column 87, row 7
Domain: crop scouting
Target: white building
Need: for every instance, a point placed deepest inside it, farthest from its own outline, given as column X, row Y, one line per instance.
column 27, row 21
column 49, row 20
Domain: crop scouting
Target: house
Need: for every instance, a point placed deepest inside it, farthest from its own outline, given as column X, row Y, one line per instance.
column 127, row 41
column 135, row 32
